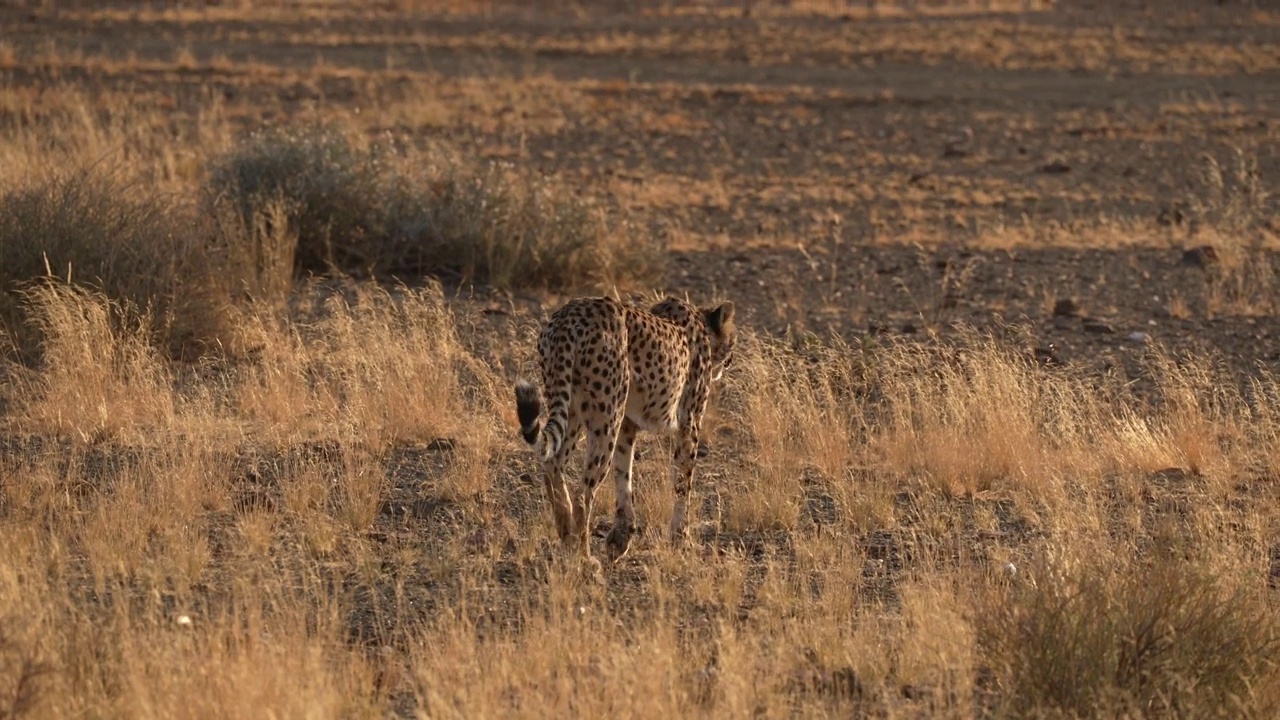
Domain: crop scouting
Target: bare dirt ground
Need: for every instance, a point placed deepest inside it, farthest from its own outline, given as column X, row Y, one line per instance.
column 1089, row 182
column 834, row 172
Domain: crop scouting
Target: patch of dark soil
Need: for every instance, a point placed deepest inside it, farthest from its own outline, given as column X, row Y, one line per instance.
column 1123, row 302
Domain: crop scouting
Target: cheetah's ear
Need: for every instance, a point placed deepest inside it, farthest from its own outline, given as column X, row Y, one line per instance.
column 721, row 318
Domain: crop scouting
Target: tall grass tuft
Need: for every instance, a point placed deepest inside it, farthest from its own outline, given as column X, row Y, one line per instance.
column 1101, row 634
column 332, row 190
column 373, row 209
column 98, row 230
column 101, row 373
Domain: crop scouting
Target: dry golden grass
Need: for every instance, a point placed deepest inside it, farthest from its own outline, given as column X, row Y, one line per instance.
column 325, row 512
column 227, row 544
column 380, row 211
column 170, row 214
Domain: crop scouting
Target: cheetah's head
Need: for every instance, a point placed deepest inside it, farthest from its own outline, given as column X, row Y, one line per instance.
column 723, row 334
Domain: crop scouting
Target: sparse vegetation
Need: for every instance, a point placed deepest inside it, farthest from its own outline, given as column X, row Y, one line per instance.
column 1113, row 634
column 102, row 231
column 374, row 211
column 269, row 521
column 288, row 204
column 993, row 444
column 1232, row 217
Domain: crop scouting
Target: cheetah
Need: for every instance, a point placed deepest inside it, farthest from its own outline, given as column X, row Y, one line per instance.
column 611, row 370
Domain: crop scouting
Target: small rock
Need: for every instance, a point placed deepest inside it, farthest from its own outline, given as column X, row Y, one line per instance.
column 442, row 444
column 916, row 692
column 1046, row 355
column 1172, row 215
column 1137, row 336
column 1202, row 256
column 1066, row 307
column 1097, row 326
column 841, row 682
column 478, row 539
column 1172, row 475
column 1055, row 167
column 959, row 145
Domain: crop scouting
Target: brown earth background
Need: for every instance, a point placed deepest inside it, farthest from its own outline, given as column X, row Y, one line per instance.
column 1002, row 442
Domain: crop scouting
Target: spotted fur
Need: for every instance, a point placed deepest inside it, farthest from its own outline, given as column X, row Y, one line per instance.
column 612, row 370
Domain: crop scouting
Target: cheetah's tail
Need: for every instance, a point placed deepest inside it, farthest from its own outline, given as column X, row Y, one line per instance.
column 528, row 410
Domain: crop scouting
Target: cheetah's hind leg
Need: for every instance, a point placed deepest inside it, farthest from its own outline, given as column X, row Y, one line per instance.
column 558, row 490
column 624, row 517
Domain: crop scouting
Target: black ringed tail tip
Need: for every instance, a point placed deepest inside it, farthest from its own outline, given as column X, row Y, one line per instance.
column 528, row 408
column 530, row 435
